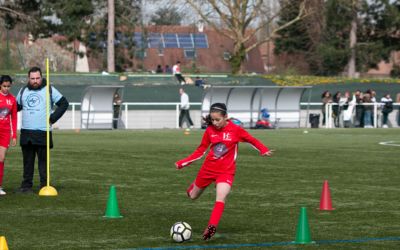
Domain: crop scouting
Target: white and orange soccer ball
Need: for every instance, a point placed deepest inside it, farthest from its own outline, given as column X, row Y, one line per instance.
column 181, row 231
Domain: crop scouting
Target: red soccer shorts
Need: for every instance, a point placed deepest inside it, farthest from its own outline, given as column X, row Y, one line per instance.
column 205, row 178
column 5, row 137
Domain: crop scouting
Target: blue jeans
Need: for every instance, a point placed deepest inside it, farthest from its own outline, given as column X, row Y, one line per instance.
column 367, row 118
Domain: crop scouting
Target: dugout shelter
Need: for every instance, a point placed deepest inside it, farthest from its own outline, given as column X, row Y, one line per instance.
column 98, row 107
column 246, row 102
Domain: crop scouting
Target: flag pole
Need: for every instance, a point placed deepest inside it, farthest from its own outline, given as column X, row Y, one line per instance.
column 48, row 190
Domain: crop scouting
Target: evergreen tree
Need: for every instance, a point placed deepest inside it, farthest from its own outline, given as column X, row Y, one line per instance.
column 167, row 16
column 293, row 39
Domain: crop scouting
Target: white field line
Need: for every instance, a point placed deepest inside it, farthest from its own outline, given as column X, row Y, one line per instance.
column 389, row 143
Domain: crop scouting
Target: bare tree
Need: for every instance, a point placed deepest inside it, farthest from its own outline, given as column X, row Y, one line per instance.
column 240, row 20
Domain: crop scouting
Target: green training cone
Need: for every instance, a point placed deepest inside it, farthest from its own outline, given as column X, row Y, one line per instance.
column 112, row 210
column 303, row 235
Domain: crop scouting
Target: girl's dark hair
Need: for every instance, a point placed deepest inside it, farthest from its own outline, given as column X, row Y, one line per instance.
column 5, row 78
column 215, row 108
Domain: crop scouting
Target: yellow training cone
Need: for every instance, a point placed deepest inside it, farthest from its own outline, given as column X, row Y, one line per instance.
column 3, row 243
column 48, row 191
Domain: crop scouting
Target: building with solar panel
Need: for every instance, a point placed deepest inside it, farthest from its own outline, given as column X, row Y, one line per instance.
column 206, row 51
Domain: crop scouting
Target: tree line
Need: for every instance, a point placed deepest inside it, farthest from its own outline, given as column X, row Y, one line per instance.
column 333, row 36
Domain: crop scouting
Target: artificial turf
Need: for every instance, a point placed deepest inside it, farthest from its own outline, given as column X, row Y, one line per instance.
column 263, row 206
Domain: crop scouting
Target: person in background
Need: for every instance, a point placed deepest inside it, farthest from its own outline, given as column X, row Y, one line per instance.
column 117, row 101
column 336, row 109
column 167, row 69
column 8, row 123
column 398, row 112
column 222, row 137
column 359, row 116
column 159, row 69
column 326, row 98
column 373, row 100
column 348, row 104
column 185, row 105
column 199, row 82
column 176, row 71
column 368, row 109
column 31, row 100
column 387, row 108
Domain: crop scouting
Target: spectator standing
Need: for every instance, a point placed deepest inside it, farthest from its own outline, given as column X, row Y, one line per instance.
column 387, row 108
column 368, row 109
column 31, row 100
column 348, row 109
column 373, row 100
column 184, row 114
column 359, row 117
column 336, row 109
column 176, row 71
column 398, row 112
column 8, row 123
column 117, row 101
column 326, row 98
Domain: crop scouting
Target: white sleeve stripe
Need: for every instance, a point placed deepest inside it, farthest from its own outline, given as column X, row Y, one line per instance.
column 188, row 162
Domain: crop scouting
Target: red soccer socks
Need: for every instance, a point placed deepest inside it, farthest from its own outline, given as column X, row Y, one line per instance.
column 215, row 217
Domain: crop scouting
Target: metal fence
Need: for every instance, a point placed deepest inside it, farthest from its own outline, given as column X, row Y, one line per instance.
column 159, row 115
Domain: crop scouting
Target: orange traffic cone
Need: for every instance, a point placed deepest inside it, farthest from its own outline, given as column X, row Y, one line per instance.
column 326, row 202
column 3, row 243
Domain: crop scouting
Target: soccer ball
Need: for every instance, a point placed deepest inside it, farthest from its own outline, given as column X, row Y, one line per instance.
column 181, row 231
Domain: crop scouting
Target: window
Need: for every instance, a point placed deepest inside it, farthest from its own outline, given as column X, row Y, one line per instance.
column 227, row 56
column 190, row 53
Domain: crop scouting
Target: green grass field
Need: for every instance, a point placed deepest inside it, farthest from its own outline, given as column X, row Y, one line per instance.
column 263, row 207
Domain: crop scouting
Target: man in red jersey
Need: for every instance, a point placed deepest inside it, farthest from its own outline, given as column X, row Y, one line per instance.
column 8, row 123
column 220, row 163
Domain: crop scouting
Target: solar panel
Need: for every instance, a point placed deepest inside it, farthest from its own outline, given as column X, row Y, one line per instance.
column 200, row 41
column 170, row 40
column 138, row 40
column 155, row 40
column 185, row 41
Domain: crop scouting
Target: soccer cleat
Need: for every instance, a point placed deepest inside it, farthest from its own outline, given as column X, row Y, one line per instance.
column 209, row 232
column 2, row 192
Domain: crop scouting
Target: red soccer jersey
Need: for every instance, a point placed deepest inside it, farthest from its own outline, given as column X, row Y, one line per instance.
column 8, row 114
column 224, row 147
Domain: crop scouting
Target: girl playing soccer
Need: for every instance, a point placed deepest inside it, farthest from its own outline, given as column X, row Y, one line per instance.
column 219, row 165
column 8, row 122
